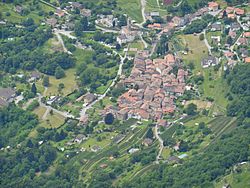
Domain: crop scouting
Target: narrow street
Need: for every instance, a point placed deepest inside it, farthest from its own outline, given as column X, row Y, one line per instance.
column 157, row 136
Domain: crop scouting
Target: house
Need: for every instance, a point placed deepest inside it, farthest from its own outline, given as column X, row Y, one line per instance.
column 84, row 119
column 19, row 9
column 228, row 54
column 86, row 13
column 162, row 122
column 176, row 20
column 216, row 26
column 246, row 34
column 235, row 26
column 182, row 156
column 60, row 13
column 155, row 26
column 215, row 39
column 239, row 12
column 229, row 10
column 34, row 76
column 122, row 39
column 231, row 16
column 133, row 150
column 154, row 14
column 89, row 98
column 95, row 148
column 52, row 99
column 79, row 138
column 209, row 61
column 7, row 95
column 147, row 142
column 232, row 34
column 242, row 41
column 106, row 20
column 173, row 160
column 243, row 52
column 247, row 60
column 213, row 6
column 76, row 5
column 51, row 21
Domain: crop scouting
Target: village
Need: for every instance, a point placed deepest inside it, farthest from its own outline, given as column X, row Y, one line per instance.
column 163, row 89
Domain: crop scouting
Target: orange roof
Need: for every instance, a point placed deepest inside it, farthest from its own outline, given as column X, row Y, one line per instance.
column 228, row 54
column 239, row 11
column 170, row 58
column 229, row 9
column 247, row 34
column 155, row 25
column 231, row 16
column 212, row 4
column 247, row 60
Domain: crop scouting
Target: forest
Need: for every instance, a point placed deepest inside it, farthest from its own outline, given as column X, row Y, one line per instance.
column 22, row 50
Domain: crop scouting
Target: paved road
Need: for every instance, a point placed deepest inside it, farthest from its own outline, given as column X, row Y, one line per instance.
column 100, row 97
column 206, row 42
column 59, row 37
column 49, row 108
column 156, row 130
column 143, row 41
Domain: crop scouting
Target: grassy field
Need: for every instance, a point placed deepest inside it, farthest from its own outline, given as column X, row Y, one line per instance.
column 68, row 81
column 132, row 8
column 17, row 18
column 214, row 85
column 152, row 6
column 197, row 50
column 53, row 121
column 40, row 111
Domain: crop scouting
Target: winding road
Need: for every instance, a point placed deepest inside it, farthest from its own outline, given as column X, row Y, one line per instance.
column 100, row 97
column 156, row 131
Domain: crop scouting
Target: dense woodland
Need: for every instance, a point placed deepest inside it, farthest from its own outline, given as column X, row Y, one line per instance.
column 239, row 82
column 23, row 50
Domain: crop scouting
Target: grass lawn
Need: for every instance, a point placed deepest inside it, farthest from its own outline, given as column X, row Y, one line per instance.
column 152, row 6
column 132, row 8
column 199, row 119
column 197, row 50
column 137, row 44
column 68, row 81
column 214, row 85
column 17, row 18
column 165, row 153
column 39, row 111
column 105, row 140
column 200, row 104
column 53, row 121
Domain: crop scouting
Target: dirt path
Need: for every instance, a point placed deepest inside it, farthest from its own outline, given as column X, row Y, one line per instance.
column 161, row 144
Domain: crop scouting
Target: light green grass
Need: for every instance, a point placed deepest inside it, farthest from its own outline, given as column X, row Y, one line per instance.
column 40, row 111
column 132, row 8
column 152, row 6
column 53, row 121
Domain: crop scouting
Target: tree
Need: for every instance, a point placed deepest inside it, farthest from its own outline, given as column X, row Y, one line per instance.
column 201, row 37
column 109, row 119
column 150, row 133
column 46, row 81
column 59, row 72
column 191, row 109
column 34, row 89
